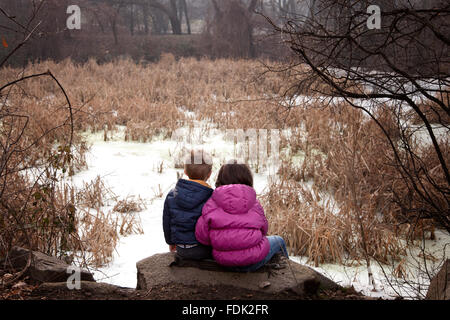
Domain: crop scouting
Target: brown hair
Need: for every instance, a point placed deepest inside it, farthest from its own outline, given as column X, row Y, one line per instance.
column 198, row 165
column 234, row 173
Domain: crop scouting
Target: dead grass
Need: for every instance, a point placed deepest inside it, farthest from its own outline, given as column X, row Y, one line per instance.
column 149, row 99
column 346, row 158
column 94, row 194
column 99, row 229
column 37, row 211
column 433, row 112
column 129, row 204
column 100, row 233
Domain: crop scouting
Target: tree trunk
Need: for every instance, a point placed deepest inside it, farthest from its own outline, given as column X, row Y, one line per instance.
column 99, row 22
column 173, row 17
column 160, row 22
column 262, row 6
column 113, row 22
column 175, row 23
column 145, row 15
column 217, row 11
column 114, row 30
column 252, row 5
column 132, row 20
column 171, row 12
column 186, row 15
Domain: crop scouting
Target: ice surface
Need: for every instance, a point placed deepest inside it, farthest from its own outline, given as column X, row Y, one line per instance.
column 130, row 169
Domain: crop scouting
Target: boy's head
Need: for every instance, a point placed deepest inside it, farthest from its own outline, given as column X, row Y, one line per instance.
column 198, row 165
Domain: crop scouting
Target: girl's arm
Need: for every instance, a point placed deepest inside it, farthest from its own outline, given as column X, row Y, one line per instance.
column 202, row 231
column 265, row 226
column 202, row 226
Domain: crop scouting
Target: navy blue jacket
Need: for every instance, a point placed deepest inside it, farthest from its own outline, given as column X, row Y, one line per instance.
column 182, row 208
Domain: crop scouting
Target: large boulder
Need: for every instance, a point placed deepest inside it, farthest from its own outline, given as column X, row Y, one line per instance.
column 88, row 290
column 43, row 268
column 157, row 271
column 440, row 285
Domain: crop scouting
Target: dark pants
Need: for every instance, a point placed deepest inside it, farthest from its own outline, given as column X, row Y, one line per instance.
column 199, row 252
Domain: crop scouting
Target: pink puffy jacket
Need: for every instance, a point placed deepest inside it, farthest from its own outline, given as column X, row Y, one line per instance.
column 234, row 224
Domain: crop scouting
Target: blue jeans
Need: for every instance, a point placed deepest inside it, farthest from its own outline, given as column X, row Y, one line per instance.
column 277, row 244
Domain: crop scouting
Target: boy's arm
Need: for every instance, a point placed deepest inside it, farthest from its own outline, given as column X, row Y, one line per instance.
column 166, row 221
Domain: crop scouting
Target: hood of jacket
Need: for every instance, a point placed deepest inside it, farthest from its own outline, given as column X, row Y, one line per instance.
column 235, row 198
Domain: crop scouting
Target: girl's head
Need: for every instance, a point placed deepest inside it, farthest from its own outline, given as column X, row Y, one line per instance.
column 234, row 173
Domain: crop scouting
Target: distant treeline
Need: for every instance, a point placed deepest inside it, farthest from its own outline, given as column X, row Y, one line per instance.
column 143, row 29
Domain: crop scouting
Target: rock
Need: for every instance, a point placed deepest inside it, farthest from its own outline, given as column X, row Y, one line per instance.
column 156, row 271
column 440, row 285
column 305, row 284
column 43, row 268
column 88, row 288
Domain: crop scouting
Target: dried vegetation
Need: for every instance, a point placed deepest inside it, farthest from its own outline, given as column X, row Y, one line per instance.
column 345, row 183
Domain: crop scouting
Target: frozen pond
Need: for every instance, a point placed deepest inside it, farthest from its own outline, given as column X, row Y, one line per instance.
column 131, row 169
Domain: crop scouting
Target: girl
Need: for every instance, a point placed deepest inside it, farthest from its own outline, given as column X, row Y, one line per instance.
column 234, row 224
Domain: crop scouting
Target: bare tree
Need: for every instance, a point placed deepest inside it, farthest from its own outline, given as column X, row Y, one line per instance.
column 184, row 12
column 232, row 28
column 30, row 213
column 174, row 10
column 402, row 68
column 171, row 10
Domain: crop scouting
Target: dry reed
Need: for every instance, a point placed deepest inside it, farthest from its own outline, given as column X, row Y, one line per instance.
column 346, row 157
column 129, row 204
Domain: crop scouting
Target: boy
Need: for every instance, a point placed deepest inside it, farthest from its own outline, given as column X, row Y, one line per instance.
column 183, row 207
